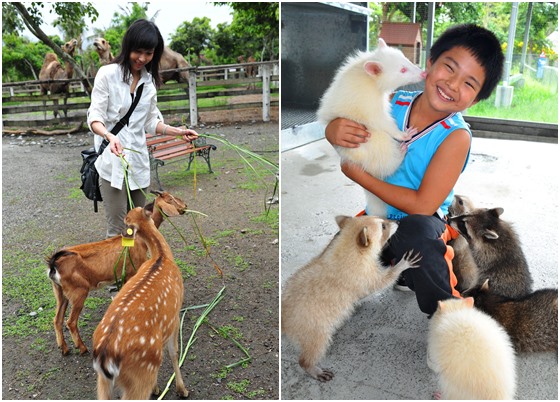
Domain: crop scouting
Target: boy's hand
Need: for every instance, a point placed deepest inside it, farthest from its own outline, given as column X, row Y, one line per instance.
column 346, row 133
column 352, row 170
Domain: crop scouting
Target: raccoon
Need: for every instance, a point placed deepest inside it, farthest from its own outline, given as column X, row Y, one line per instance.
column 464, row 265
column 531, row 321
column 470, row 352
column 496, row 250
column 321, row 295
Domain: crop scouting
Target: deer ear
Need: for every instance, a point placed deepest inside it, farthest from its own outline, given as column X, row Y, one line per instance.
column 373, row 68
column 149, row 209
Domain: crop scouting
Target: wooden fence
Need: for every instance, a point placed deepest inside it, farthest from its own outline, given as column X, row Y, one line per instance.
column 24, row 106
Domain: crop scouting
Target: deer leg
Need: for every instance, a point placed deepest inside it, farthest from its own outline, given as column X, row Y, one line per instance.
column 104, row 387
column 172, row 348
column 61, row 305
column 72, row 323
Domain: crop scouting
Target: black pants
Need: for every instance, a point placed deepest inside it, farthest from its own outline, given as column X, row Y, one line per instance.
column 433, row 280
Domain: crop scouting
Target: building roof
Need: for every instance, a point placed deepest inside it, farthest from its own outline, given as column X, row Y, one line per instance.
column 400, row 33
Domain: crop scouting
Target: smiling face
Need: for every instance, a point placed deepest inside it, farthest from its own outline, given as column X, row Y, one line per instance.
column 139, row 58
column 454, row 81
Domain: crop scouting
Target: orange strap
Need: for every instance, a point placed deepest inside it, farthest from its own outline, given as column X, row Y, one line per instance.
column 449, row 234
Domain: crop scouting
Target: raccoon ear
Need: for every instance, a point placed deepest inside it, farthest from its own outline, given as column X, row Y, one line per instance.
column 497, row 212
column 469, row 301
column 341, row 220
column 490, row 234
column 381, row 43
column 485, row 285
column 373, row 68
column 363, row 238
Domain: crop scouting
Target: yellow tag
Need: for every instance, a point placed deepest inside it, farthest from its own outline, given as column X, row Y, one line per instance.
column 127, row 242
column 127, row 238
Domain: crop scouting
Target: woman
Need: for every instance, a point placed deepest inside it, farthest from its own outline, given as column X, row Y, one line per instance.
column 115, row 88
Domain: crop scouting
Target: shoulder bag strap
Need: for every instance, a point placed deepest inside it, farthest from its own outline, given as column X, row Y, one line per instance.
column 124, row 121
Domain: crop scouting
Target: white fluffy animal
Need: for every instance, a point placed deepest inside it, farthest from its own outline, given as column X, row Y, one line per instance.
column 471, row 353
column 360, row 92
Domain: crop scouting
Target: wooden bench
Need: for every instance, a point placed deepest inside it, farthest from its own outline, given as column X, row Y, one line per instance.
column 164, row 148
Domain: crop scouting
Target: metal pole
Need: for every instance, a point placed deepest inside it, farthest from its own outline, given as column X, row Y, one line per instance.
column 526, row 37
column 511, row 37
column 430, row 31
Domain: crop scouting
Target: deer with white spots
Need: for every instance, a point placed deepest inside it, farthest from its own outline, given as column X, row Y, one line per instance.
column 76, row 270
column 142, row 319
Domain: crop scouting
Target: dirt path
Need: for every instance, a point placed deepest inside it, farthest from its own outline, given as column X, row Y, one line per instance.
column 43, row 210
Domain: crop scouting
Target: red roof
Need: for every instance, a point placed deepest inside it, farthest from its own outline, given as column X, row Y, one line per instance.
column 400, row 33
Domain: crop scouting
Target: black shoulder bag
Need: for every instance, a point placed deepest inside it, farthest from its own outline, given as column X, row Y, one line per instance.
column 90, row 177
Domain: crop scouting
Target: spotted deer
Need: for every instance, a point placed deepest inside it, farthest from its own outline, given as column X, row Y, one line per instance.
column 142, row 319
column 76, row 270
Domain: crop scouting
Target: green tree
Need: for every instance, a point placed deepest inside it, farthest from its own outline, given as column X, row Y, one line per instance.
column 257, row 26
column 21, row 59
column 193, row 38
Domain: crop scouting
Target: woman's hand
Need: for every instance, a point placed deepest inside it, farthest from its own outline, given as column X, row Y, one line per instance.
column 115, row 144
column 346, row 133
column 188, row 134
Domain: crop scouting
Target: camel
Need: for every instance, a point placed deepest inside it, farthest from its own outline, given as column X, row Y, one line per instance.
column 103, row 49
column 53, row 70
column 249, row 70
column 170, row 60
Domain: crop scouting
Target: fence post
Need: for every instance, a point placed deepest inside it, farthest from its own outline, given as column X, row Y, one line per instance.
column 266, row 92
column 192, row 98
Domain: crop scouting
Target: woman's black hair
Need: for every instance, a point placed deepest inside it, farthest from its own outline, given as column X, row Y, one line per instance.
column 482, row 44
column 142, row 34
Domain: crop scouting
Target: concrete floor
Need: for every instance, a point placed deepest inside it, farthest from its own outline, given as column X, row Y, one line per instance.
column 380, row 352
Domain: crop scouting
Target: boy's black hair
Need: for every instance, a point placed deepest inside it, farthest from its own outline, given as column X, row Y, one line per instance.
column 482, row 44
column 142, row 34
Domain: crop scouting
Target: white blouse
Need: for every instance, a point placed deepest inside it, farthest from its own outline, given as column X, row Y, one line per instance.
column 110, row 101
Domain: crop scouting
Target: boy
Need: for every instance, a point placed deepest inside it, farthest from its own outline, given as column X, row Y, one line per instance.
column 464, row 67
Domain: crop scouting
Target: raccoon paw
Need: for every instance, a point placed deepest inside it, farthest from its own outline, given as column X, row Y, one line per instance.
column 412, row 260
column 325, row 375
column 409, row 133
column 319, row 374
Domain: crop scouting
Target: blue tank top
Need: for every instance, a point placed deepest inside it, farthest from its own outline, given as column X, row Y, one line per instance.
column 421, row 148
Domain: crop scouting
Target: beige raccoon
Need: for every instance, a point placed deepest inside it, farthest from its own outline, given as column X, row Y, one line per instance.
column 320, row 296
column 470, row 352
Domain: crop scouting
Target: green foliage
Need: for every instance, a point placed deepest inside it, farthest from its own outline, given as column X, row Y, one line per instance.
column 21, row 59
column 523, row 106
column 32, row 289
column 193, row 38
column 492, row 15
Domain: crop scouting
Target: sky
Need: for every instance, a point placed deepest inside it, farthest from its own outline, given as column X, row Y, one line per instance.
column 171, row 15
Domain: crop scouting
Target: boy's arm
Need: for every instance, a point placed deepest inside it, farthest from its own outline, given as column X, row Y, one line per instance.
column 346, row 133
column 439, row 179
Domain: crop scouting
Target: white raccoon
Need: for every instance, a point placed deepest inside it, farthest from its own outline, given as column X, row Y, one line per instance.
column 471, row 353
column 360, row 92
